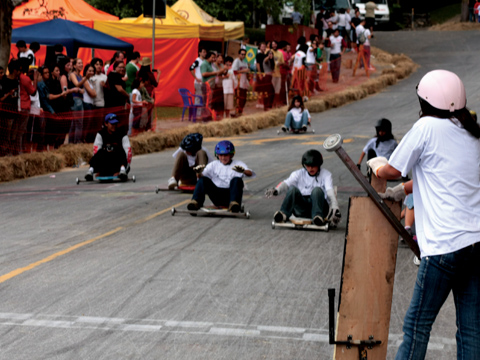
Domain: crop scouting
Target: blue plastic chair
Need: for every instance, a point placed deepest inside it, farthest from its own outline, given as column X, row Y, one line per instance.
column 189, row 103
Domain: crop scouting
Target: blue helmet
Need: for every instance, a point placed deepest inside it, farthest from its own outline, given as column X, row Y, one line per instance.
column 224, row 147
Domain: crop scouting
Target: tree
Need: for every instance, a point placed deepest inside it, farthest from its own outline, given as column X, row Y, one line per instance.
column 120, row 8
column 6, row 13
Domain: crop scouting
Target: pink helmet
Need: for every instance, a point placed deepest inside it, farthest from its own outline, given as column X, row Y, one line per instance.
column 443, row 90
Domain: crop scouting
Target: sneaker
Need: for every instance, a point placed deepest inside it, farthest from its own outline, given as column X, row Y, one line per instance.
column 122, row 175
column 172, row 183
column 279, row 217
column 284, row 128
column 234, row 207
column 89, row 175
column 193, row 205
column 304, row 128
column 318, row 220
column 416, row 260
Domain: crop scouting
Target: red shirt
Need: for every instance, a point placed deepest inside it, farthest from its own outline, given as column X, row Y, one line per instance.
column 26, row 89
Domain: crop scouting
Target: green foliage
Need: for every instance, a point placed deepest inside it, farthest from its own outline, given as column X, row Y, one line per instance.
column 120, row 8
column 257, row 35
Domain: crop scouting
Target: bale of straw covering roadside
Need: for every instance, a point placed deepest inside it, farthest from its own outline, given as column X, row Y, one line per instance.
column 18, row 167
column 27, row 165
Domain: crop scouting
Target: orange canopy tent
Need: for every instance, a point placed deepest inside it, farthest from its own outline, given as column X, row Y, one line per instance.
column 35, row 11
column 176, row 48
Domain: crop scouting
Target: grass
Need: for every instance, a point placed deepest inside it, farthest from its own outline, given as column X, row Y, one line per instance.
column 443, row 14
column 168, row 112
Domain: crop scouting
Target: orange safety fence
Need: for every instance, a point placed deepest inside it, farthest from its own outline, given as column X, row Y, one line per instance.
column 23, row 132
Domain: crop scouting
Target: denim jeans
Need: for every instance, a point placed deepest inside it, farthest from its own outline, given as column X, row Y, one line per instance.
column 458, row 272
column 305, row 206
column 219, row 196
column 75, row 135
column 292, row 124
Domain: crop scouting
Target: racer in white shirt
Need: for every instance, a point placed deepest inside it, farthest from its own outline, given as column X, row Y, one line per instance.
column 221, row 180
column 309, row 191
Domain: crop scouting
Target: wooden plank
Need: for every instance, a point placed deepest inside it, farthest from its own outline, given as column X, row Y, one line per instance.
column 367, row 278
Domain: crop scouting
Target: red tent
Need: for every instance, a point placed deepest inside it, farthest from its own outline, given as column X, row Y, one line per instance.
column 35, row 11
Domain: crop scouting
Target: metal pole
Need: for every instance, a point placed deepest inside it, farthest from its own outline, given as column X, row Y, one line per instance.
column 153, row 35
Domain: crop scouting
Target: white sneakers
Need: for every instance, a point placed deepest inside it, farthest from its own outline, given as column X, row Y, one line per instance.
column 172, row 183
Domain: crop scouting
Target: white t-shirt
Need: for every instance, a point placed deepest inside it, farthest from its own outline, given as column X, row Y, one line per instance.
column 190, row 158
column 444, row 159
column 360, row 29
column 87, row 98
column 137, row 98
column 342, row 20
column 348, row 20
column 28, row 54
column 196, row 66
column 336, row 44
column 96, row 82
column 310, row 56
column 385, row 148
column 241, row 65
column 297, row 113
column 302, row 180
column 221, row 175
column 230, row 83
column 298, row 59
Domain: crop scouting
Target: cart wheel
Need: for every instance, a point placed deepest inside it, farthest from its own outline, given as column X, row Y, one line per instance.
column 247, row 214
column 273, row 224
column 77, row 180
column 173, row 211
column 278, row 132
column 327, row 227
column 313, row 131
column 156, row 189
column 134, row 178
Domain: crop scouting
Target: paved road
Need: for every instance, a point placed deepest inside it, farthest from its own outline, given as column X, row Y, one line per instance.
column 103, row 271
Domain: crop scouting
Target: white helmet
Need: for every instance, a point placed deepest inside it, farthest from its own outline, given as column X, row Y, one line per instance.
column 443, row 90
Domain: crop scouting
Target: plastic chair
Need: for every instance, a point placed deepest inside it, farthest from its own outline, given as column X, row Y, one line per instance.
column 189, row 103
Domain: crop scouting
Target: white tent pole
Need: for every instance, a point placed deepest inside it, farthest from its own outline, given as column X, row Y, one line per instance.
column 153, row 35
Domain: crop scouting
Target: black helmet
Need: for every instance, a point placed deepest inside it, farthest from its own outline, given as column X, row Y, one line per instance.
column 384, row 125
column 312, row 158
column 192, row 142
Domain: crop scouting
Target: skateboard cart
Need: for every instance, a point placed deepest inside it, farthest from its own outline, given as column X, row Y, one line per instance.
column 106, row 179
column 298, row 131
column 182, row 188
column 368, row 272
column 301, row 224
column 218, row 211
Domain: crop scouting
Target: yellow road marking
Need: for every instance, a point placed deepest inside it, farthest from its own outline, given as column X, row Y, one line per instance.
column 19, row 271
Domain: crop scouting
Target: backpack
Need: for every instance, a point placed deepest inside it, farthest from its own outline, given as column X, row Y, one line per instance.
column 362, row 38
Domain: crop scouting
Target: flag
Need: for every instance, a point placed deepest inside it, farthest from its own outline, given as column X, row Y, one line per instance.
column 251, row 54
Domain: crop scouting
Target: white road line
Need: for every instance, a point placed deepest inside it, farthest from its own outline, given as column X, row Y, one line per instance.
column 94, row 323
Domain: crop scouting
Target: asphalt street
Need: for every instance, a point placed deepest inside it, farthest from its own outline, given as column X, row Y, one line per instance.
column 103, row 271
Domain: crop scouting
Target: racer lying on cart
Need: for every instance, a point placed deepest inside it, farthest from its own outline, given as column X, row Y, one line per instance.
column 189, row 155
column 221, row 180
column 310, row 193
column 112, row 153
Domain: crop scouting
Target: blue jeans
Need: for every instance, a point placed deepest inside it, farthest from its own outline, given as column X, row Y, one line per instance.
column 437, row 276
column 305, row 206
column 75, row 135
column 219, row 196
column 292, row 124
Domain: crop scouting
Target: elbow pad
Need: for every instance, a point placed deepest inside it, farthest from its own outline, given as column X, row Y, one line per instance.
column 281, row 188
column 332, row 199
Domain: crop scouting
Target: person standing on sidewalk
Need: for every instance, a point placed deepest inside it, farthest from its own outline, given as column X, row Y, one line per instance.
column 197, row 75
column 240, row 68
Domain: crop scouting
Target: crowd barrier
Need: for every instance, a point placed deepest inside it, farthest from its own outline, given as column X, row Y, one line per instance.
column 23, row 132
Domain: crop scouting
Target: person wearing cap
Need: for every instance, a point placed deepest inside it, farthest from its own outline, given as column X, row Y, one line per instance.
column 132, row 69
column 443, row 152
column 190, row 154
column 112, row 153
column 383, row 144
